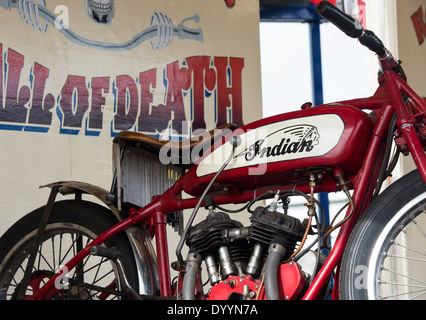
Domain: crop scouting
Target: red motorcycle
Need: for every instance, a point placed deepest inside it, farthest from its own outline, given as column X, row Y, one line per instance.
column 78, row 249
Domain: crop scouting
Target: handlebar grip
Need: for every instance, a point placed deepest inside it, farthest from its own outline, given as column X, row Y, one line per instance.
column 372, row 42
column 352, row 27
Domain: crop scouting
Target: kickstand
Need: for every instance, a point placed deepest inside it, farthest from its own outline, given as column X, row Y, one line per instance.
column 37, row 242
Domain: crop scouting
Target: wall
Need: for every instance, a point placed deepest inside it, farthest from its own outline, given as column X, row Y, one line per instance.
column 70, row 79
column 401, row 24
column 411, row 15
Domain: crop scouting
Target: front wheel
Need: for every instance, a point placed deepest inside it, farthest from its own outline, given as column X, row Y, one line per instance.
column 72, row 226
column 385, row 258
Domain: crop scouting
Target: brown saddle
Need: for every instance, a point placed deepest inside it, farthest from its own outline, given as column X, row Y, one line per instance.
column 180, row 152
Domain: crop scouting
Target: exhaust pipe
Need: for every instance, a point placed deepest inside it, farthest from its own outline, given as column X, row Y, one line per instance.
column 275, row 254
column 192, row 267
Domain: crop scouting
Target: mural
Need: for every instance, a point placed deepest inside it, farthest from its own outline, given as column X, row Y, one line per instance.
column 73, row 73
column 79, row 102
column 102, row 12
column 77, row 112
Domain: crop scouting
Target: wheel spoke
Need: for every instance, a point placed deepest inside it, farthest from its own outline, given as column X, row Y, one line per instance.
column 41, row 258
column 403, row 285
column 419, row 228
column 71, row 248
column 422, row 291
column 408, row 248
column 403, row 275
column 53, row 252
column 414, row 240
column 419, row 295
column 407, row 258
column 103, row 277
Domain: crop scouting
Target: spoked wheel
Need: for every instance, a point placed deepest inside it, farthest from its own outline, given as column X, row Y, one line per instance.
column 72, row 225
column 386, row 255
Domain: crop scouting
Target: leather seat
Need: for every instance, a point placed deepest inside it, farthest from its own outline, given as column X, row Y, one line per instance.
column 180, row 149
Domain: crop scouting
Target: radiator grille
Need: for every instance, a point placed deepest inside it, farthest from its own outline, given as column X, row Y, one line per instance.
column 141, row 175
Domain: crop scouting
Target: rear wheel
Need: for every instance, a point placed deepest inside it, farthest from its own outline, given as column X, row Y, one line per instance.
column 72, row 225
column 386, row 254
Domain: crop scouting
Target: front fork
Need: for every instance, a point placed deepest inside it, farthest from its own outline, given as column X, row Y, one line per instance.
column 415, row 147
column 411, row 125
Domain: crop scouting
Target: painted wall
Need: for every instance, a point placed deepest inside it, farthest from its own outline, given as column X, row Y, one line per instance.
column 72, row 76
column 411, row 15
column 401, row 24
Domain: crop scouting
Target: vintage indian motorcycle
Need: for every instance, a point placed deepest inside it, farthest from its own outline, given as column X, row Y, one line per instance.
column 79, row 249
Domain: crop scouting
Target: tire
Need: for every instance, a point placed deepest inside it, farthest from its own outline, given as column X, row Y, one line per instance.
column 385, row 258
column 71, row 226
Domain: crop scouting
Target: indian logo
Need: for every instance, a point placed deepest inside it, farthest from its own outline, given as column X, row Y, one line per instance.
column 290, row 140
column 279, row 141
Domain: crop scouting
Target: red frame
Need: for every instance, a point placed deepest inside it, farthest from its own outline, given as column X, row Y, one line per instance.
column 385, row 102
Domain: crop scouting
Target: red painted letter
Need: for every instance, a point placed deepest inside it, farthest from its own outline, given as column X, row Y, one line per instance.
column 229, row 85
column 419, row 25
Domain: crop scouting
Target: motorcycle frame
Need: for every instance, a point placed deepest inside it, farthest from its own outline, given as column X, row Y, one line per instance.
column 386, row 102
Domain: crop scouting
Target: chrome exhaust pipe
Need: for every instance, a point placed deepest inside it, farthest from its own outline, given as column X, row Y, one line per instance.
column 275, row 254
column 191, row 271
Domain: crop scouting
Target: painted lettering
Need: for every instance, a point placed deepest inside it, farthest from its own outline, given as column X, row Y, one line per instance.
column 297, row 139
column 73, row 103
column 419, row 25
column 14, row 109
column 229, row 86
column 126, row 103
column 39, row 113
column 204, row 80
column 194, row 89
column 178, row 80
column 147, row 82
column 99, row 87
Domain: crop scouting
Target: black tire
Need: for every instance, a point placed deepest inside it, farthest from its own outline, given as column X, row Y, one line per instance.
column 386, row 254
column 71, row 226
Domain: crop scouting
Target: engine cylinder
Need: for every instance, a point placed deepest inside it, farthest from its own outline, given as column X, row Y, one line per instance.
column 210, row 238
column 269, row 225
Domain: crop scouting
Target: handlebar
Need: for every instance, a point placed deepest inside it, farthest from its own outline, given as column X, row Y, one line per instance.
column 351, row 27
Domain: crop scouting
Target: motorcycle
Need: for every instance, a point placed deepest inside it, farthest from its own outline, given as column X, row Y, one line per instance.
column 119, row 249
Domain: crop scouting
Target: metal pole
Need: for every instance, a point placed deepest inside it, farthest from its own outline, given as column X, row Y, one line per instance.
column 318, row 94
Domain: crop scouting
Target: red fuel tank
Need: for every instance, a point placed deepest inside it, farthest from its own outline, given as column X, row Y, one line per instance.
column 273, row 149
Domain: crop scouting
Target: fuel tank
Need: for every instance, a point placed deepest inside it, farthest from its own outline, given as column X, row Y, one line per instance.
column 274, row 149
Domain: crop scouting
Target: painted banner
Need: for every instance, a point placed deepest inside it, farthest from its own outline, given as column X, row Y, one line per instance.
column 75, row 73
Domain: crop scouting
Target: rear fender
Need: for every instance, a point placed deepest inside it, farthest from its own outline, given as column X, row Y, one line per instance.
column 78, row 188
column 140, row 240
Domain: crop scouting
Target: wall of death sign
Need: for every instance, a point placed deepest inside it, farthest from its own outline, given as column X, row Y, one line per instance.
column 75, row 73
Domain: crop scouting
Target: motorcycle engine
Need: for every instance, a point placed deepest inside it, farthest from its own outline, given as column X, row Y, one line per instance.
column 236, row 256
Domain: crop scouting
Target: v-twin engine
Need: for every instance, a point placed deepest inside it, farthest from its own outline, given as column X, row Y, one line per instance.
column 240, row 260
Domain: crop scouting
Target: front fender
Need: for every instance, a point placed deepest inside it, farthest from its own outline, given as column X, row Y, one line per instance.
column 140, row 240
